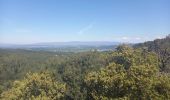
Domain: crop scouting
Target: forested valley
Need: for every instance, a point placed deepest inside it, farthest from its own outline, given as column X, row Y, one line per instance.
column 138, row 72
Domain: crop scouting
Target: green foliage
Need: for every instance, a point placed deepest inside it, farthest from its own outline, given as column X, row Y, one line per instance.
column 129, row 56
column 39, row 86
column 138, row 82
column 162, row 48
column 125, row 73
column 134, row 74
column 72, row 71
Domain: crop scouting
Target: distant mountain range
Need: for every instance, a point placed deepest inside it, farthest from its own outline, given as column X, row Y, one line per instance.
column 74, row 46
column 75, row 43
column 60, row 44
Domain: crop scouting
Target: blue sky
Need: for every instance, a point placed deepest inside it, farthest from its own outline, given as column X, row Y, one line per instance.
column 32, row 21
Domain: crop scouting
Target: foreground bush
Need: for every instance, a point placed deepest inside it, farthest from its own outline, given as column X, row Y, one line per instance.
column 40, row 86
column 137, row 83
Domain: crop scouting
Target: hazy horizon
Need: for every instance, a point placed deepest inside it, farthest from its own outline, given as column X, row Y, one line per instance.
column 38, row 21
column 121, row 42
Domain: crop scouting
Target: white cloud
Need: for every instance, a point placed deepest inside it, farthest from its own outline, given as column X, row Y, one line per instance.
column 85, row 29
column 125, row 38
column 159, row 37
column 137, row 38
column 130, row 39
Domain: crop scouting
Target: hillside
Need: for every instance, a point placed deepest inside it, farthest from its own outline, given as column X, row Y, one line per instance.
column 162, row 48
column 154, row 45
column 126, row 73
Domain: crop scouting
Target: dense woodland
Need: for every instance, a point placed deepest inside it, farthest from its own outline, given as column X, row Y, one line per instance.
column 140, row 72
column 162, row 48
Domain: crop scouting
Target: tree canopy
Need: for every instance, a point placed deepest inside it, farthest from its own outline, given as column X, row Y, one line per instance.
column 39, row 86
column 126, row 73
column 138, row 82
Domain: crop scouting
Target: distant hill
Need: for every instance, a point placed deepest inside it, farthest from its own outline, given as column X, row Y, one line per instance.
column 74, row 46
column 154, row 45
column 61, row 44
column 77, row 43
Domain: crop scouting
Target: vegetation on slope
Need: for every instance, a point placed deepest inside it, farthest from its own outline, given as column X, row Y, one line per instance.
column 162, row 48
column 125, row 73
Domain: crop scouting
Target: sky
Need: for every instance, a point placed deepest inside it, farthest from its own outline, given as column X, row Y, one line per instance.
column 34, row 21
